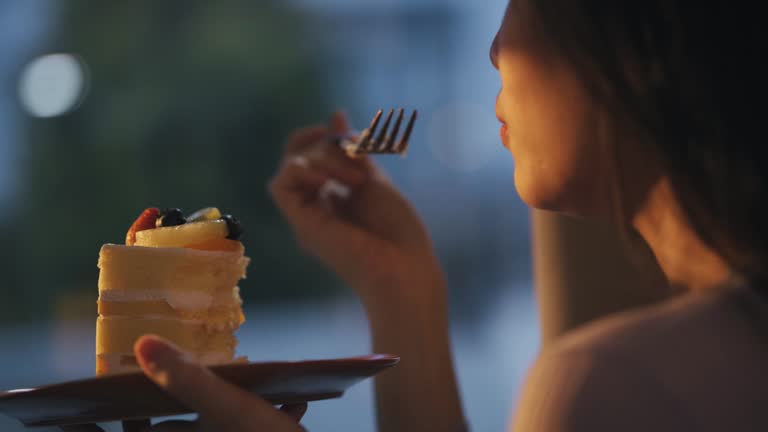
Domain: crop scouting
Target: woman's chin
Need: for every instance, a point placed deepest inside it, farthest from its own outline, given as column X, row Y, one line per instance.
column 534, row 195
column 558, row 200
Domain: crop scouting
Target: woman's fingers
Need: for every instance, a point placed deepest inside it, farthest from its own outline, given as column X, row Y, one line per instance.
column 306, row 137
column 334, row 163
column 301, row 186
column 222, row 406
column 295, row 411
column 339, row 124
column 193, row 385
column 294, row 190
column 315, row 143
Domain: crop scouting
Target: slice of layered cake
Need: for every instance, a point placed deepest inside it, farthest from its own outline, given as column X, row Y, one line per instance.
column 175, row 277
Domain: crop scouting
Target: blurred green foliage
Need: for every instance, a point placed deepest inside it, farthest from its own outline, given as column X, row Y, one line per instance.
column 188, row 107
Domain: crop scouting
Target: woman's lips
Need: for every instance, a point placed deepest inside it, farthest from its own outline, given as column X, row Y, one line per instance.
column 503, row 134
column 503, row 130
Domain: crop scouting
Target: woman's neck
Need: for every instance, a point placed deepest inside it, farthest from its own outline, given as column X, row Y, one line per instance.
column 686, row 261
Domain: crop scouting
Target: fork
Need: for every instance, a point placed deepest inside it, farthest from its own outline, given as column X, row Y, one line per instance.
column 385, row 142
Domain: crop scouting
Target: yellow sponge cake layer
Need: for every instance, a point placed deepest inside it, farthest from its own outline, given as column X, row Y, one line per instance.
column 188, row 296
column 118, row 334
column 184, row 274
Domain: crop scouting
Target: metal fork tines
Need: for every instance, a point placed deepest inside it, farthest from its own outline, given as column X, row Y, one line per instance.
column 386, row 141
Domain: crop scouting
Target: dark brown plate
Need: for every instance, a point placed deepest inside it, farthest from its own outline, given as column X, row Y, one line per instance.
column 132, row 395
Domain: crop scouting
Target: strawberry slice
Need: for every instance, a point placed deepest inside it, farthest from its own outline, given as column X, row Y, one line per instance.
column 145, row 221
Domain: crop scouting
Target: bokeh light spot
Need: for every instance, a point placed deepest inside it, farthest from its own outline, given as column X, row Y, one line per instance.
column 52, row 85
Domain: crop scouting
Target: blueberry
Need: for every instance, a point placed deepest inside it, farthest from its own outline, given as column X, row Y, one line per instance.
column 233, row 226
column 170, row 217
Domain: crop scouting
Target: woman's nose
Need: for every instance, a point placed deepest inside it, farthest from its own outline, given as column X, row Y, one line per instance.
column 495, row 51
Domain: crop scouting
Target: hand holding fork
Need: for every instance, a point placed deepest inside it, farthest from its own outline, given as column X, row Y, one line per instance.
column 370, row 233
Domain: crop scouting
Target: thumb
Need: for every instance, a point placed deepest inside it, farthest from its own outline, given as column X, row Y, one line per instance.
column 217, row 401
column 339, row 126
column 295, row 411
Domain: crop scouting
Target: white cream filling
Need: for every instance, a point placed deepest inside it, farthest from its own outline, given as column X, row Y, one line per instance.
column 128, row 296
column 152, row 318
column 186, row 300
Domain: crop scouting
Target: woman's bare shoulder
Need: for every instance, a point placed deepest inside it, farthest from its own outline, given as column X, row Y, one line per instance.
column 581, row 390
column 690, row 319
column 647, row 369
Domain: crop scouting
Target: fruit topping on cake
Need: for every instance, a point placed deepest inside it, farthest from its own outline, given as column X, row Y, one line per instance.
column 205, row 229
column 146, row 220
column 205, row 214
column 170, row 217
column 234, row 229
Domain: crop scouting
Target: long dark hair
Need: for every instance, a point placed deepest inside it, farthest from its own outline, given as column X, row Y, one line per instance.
column 689, row 76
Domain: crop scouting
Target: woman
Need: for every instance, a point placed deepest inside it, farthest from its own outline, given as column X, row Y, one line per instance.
column 636, row 113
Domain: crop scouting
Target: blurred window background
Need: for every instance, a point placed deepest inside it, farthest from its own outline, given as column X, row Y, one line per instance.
column 110, row 107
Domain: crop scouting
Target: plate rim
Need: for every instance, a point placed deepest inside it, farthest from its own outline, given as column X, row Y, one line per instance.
column 358, row 367
column 381, row 360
